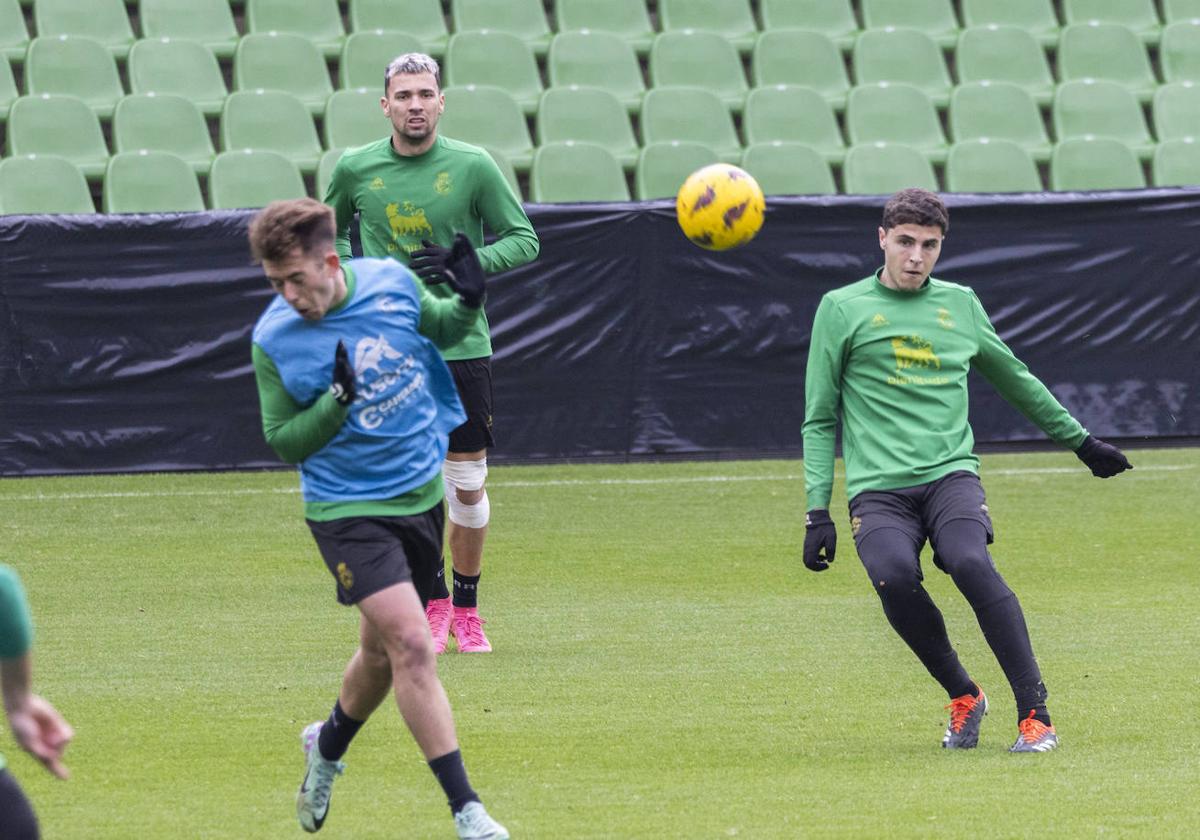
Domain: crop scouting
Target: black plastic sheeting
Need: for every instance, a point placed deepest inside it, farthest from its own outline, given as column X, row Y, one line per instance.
column 125, row 339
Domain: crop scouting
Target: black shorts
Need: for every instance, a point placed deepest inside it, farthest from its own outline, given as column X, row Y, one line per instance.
column 473, row 378
column 921, row 511
column 17, row 820
column 366, row 554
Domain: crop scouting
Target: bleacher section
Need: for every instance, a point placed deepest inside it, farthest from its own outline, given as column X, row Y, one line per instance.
column 184, row 104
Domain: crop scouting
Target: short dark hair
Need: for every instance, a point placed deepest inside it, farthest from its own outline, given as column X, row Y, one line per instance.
column 916, row 207
column 283, row 226
column 410, row 64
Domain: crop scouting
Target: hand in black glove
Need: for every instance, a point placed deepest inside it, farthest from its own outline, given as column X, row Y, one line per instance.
column 1103, row 459
column 343, row 387
column 820, row 535
column 457, row 266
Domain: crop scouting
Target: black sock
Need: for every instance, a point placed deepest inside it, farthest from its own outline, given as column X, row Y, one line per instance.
column 466, row 590
column 337, row 733
column 452, row 776
column 439, row 587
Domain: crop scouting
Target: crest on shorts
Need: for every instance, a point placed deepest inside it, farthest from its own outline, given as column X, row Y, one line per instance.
column 345, row 576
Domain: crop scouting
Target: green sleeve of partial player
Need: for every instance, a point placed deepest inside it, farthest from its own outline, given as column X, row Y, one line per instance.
column 444, row 321
column 16, row 628
column 822, row 400
column 340, row 197
column 1024, row 391
column 502, row 213
column 293, row 431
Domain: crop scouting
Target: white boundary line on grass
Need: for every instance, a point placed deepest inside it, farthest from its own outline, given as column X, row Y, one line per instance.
column 554, row 482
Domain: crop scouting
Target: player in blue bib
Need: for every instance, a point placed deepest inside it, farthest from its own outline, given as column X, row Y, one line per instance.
column 353, row 389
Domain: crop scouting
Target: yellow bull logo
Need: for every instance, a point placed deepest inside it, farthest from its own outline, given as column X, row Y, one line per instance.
column 410, row 223
column 912, row 350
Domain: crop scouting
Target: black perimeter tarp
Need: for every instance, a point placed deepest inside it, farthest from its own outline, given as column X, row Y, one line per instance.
column 125, row 339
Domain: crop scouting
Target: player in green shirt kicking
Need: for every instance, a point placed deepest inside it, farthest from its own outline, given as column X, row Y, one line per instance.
column 891, row 354
column 413, row 191
column 37, row 726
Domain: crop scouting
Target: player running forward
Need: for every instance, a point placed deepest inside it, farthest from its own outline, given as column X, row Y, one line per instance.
column 353, row 389
column 891, row 354
column 36, row 725
column 412, row 191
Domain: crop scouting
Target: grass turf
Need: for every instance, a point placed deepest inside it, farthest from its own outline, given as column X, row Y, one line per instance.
column 665, row 667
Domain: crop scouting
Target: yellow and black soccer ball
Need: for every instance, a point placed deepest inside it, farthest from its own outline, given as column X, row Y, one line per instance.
column 720, row 207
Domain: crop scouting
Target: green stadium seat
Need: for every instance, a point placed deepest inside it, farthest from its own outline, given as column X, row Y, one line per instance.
column 58, row 124
column 1106, row 51
column 76, row 66
column 1094, row 163
column 283, row 61
column 783, row 168
column 587, row 115
column 423, row 19
column 488, row 116
column 998, row 111
column 252, row 178
column 884, row 168
column 325, row 172
column 902, row 55
column 832, row 18
column 183, row 68
column 692, row 114
column 8, row 90
column 663, row 167
column 1036, row 17
column 801, row 57
column 895, row 113
column 1176, row 163
column 934, row 17
column 991, row 166
column 699, row 59
column 497, row 59
column 366, row 55
column 1100, row 108
column 793, row 114
column 320, row 21
column 506, row 169
column 163, row 123
column 1176, row 10
column 524, row 18
column 996, row 53
column 1177, row 111
column 14, row 35
column 732, row 19
column 626, row 19
column 150, row 182
column 597, row 59
column 271, row 120
column 1139, row 15
column 354, row 118
column 208, row 21
column 573, row 171
column 101, row 20
column 1179, row 51
column 32, row 184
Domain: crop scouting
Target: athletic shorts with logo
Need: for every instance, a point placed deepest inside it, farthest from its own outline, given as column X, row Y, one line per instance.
column 473, row 378
column 920, row 512
column 366, row 554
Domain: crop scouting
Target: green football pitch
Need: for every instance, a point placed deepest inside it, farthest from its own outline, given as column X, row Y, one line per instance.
column 664, row 665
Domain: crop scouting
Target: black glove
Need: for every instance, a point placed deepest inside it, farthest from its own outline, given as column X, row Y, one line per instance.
column 457, row 266
column 819, row 534
column 343, row 387
column 1103, row 459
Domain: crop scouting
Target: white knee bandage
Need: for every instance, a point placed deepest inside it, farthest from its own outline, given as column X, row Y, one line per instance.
column 466, row 475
